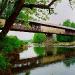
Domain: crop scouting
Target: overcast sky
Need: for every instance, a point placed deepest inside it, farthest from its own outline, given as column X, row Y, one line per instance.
column 64, row 12
column 22, row 35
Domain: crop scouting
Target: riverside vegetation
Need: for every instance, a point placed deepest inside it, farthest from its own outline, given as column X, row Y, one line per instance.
column 10, row 44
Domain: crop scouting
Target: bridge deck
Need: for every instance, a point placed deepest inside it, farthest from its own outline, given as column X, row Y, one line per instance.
column 44, row 28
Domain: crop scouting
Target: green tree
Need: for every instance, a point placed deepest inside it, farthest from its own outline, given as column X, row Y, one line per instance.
column 4, row 63
column 67, row 38
column 10, row 43
column 67, row 23
column 39, row 37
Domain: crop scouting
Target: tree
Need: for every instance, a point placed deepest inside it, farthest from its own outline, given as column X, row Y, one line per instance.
column 67, row 38
column 39, row 37
column 67, row 23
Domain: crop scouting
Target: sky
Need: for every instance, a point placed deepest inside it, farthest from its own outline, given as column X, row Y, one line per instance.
column 64, row 12
column 21, row 35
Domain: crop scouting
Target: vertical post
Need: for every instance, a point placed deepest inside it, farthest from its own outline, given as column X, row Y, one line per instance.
column 49, row 37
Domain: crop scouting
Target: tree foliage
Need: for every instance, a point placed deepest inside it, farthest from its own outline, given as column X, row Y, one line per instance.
column 67, row 38
column 10, row 43
column 4, row 63
column 39, row 37
column 68, row 23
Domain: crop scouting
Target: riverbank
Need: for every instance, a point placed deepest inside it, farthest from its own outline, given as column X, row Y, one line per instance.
column 64, row 43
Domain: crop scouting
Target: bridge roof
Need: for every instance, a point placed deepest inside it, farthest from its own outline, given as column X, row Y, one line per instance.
column 51, row 25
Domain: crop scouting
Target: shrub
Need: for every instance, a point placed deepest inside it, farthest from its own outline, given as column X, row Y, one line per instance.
column 39, row 37
column 4, row 63
column 10, row 43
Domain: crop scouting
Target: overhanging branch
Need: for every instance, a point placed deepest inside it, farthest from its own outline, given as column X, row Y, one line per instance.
column 42, row 6
column 51, row 3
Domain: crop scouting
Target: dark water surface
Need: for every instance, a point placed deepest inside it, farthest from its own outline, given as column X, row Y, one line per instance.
column 55, row 60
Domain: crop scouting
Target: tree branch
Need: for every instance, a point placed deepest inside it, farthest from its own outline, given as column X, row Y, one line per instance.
column 42, row 6
column 51, row 3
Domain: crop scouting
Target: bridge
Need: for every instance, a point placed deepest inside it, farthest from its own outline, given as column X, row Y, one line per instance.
column 44, row 28
column 48, row 29
column 37, row 27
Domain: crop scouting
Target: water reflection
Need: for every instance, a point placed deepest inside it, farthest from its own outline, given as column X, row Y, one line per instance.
column 70, row 61
column 65, row 56
column 40, row 51
column 28, row 72
column 61, row 50
column 28, row 53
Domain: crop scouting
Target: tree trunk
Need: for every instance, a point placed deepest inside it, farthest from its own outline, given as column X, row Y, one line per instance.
column 9, row 22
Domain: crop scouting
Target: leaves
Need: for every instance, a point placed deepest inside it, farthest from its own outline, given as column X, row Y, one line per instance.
column 4, row 63
column 39, row 37
column 10, row 43
column 68, row 23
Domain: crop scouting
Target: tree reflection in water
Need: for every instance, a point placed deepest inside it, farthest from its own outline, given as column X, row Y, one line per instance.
column 40, row 51
column 28, row 72
column 55, row 54
column 61, row 50
column 69, row 61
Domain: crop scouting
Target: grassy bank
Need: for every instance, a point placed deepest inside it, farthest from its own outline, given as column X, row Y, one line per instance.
column 64, row 43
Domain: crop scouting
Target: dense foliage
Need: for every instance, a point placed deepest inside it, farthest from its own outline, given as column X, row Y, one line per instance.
column 39, row 37
column 4, row 63
column 10, row 43
column 7, row 45
column 68, row 23
column 67, row 38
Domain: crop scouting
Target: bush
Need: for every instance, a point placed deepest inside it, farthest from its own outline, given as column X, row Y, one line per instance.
column 65, row 38
column 39, row 37
column 4, row 63
column 10, row 43
column 68, row 23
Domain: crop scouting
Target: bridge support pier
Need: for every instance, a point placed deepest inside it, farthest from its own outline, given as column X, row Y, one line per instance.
column 49, row 39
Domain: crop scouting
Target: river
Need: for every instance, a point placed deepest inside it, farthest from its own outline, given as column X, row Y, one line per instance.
column 52, row 60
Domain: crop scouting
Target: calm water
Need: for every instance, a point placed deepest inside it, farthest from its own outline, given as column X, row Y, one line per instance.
column 64, row 67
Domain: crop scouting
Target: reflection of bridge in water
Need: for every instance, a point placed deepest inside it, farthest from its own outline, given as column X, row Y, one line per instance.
column 27, row 64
